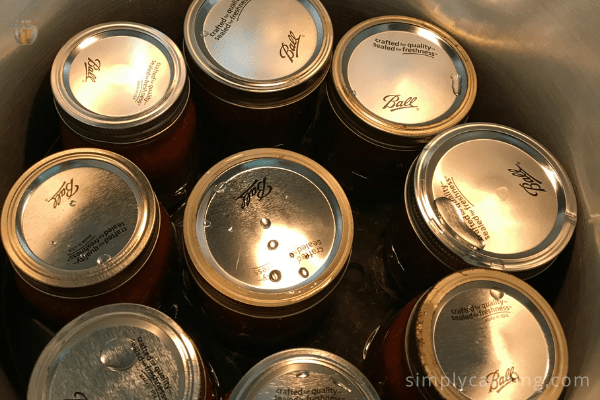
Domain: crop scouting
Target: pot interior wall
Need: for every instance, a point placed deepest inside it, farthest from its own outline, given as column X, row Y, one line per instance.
column 538, row 71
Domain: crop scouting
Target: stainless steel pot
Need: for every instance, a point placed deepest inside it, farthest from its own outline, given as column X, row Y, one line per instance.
column 538, row 72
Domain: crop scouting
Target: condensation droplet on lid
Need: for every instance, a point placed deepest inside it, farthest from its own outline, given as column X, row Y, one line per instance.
column 302, row 374
column 102, row 259
column 53, row 243
column 230, row 229
column 497, row 293
column 73, row 203
column 275, row 275
column 303, row 272
column 206, row 224
column 265, row 222
column 291, row 255
column 502, row 193
column 272, row 245
column 220, row 188
column 118, row 354
column 205, row 34
column 455, row 84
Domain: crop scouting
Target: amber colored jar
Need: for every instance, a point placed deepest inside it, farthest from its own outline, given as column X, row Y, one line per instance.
column 381, row 113
column 479, row 195
column 475, row 334
column 257, row 68
column 123, row 87
column 267, row 235
column 123, row 350
column 82, row 229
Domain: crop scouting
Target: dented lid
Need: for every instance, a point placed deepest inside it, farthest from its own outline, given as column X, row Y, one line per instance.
column 119, row 351
column 422, row 83
column 493, row 196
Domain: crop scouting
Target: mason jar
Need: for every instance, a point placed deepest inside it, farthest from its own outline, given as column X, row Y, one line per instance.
column 268, row 235
column 476, row 334
column 123, row 87
column 83, row 228
column 257, row 68
column 480, row 195
column 305, row 374
column 121, row 351
column 395, row 83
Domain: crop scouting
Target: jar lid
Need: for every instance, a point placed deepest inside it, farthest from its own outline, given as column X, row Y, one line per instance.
column 494, row 197
column 119, row 82
column 80, row 222
column 479, row 333
column 119, row 351
column 268, row 228
column 259, row 53
column 422, row 83
column 304, row 373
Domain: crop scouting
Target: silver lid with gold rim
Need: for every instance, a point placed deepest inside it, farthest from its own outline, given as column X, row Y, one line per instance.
column 119, row 82
column 119, row 351
column 259, row 53
column 481, row 334
column 494, row 197
column 422, row 83
column 268, row 228
column 304, row 373
column 80, row 222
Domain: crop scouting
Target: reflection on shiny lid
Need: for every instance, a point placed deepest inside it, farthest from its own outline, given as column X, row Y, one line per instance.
column 112, row 80
column 301, row 374
column 78, row 219
column 118, row 351
column 267, row 226
column 509, row 192
column 489, row 334
column 262, row 51
column 421, row 83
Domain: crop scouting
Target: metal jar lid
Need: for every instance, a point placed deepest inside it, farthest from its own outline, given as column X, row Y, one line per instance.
column 301, row 374
column 80, row 222
column 481, row 333
column 268, row 228
column 492, row 197
column 124, row 351
column 119, row 82
column 260, row 53
column 421, row 83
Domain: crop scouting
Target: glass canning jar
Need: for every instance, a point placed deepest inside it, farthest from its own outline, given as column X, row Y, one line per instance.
column 83, row 228
column 123, row 87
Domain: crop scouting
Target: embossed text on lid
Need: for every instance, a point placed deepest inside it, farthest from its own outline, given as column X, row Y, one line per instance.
column 79, row 218
column 268, row 228
column 131, row 351
column 117, row 78
column 304, row 373
column 509, row 190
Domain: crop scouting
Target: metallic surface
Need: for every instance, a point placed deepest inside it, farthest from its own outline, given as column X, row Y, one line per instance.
column 486, row 334
column 131, row 351
column 422, row 83
column 79, row 210
column 258, row 53
column 304, row 373
column 537, row 72
column 268, row 227
column 112, row 80
column 510, row 191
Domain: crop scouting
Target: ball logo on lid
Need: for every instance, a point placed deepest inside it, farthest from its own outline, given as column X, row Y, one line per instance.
column 258, row 188
column 497, row 382
column 90, row 67
column 394, row 102
column 290, row 50
column 67, row 189
column 530, row 184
